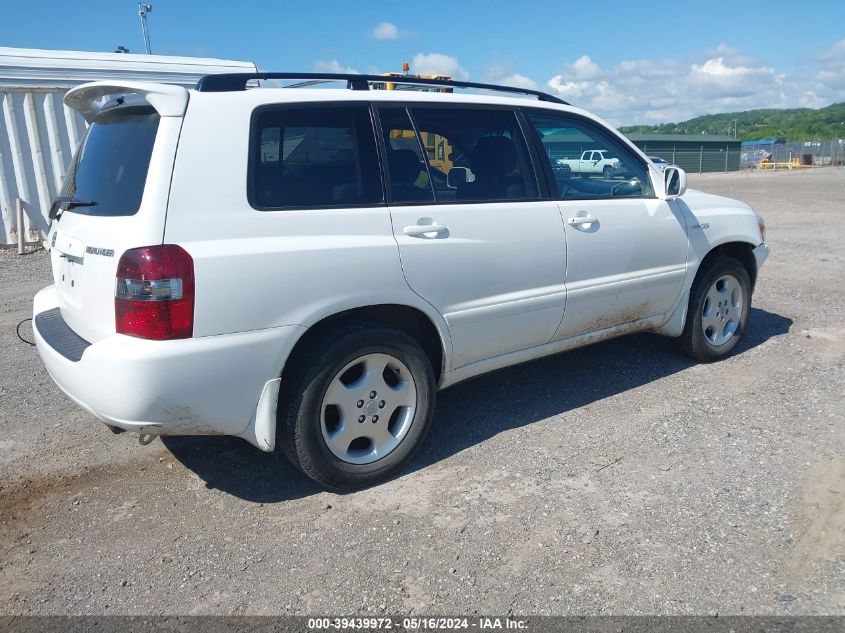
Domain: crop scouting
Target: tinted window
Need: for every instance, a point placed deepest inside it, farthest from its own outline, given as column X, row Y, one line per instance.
column 409, row 180
column 111, row 164
column 475, row 155
column 588, row 162
column 317, row 156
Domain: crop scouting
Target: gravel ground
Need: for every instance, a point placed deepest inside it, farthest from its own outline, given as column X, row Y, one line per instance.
column 616, row 479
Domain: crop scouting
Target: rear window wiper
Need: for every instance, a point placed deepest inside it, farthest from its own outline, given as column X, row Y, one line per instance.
column 63, row 203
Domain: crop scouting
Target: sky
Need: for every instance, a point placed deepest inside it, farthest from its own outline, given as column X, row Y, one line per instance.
column 637, row 62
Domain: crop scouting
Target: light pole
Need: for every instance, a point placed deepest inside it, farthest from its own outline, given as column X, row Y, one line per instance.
column 143, row 10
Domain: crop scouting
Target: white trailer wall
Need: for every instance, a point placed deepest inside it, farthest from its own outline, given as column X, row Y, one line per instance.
column 38, row 134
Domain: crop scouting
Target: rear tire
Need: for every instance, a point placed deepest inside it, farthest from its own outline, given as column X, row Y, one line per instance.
column 719, row 306
column 332, row 426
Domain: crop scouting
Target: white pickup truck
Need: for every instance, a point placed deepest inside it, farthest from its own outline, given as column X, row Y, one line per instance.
column 593, row 161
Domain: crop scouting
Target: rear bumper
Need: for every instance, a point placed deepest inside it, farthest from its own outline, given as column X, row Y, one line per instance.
column 205, row 385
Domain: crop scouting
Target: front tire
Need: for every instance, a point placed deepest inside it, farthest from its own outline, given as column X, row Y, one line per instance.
column 358, row 405
column 719, row 306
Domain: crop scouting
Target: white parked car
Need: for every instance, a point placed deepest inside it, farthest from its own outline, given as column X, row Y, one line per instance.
column 660, row 162
column 291, row 266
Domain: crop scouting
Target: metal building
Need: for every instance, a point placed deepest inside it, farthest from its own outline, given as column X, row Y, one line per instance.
column 38, row 134
column 695, row 153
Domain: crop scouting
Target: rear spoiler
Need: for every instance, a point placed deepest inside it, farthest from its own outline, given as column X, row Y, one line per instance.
column 91, row 98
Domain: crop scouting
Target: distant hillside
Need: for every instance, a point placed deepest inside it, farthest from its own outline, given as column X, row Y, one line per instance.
column 796, row 124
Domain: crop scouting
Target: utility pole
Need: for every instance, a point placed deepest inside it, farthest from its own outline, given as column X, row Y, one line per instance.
column 143, row 10
column 735, row 121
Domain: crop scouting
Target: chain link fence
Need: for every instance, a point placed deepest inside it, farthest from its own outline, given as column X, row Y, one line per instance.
column 772, row 154
column 768, row 154
column 705, row 157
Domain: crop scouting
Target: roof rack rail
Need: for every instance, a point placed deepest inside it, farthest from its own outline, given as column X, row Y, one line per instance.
column 233, row 82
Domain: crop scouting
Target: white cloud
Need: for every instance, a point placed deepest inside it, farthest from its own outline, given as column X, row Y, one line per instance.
column 609, row 99
column 717, row 68
column 721, row 80
column 716, row 78
column 569, row 89
column 666, row 90
column 438, row 64
column 811, row 100
column 728, row 53
column 830, row 78
column 505, row 77
column 518, row 81
column 723, row 50
column 584, row 68
column 385, row 31
column 835, row 54
column 334, row 66
column 646, row 70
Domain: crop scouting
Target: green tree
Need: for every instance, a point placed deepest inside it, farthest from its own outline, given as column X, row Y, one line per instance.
column 794, row 124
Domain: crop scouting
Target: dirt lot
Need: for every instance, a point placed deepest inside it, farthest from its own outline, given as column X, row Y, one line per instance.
column 619, row 478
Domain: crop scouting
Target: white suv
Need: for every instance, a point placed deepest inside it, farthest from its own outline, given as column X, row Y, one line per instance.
column 305, row 267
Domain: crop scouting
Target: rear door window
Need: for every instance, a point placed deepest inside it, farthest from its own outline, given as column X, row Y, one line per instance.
column 475, row 155
column 110, row 167
column 313, row 157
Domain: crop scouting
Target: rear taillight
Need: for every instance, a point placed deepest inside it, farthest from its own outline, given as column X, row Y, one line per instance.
column 154, row 293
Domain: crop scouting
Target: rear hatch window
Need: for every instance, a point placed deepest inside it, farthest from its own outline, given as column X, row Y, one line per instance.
column 109, row 171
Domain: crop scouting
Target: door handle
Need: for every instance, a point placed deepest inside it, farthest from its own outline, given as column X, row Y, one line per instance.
column 581, row 219
column 424, row 230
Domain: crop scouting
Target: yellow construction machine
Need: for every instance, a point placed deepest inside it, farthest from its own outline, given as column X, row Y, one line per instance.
column 437, row 149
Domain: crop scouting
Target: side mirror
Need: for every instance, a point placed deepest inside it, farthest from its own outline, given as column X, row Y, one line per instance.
column 674, row 182
column 458, row 176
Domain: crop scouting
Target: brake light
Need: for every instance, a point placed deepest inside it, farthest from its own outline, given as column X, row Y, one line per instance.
column 154, row 293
